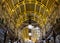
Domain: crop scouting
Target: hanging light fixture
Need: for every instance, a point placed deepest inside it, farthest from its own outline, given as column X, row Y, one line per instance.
column 30, row 34
column 30, row 27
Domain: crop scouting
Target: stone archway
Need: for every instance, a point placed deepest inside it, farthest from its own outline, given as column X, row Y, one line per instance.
column 25, row 32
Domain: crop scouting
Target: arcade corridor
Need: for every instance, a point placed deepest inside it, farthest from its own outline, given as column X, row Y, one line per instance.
column 29, row 21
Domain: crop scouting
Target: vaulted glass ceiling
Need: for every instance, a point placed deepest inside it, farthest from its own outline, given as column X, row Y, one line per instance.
column 15, row 12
